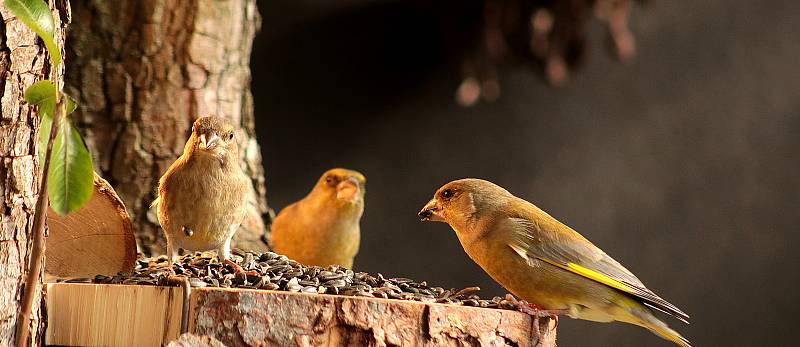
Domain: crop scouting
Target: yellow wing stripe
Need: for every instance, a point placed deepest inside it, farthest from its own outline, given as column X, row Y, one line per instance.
column 592, row 275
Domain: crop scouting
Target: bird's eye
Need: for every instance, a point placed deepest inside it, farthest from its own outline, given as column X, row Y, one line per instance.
column 329, row 180
column 230, row 136
column 448, row 193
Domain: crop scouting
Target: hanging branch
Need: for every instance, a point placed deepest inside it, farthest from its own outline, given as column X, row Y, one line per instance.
column 549, row 35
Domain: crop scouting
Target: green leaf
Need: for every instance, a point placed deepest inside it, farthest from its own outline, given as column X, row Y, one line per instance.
column 71, row 171
column 71, row 103
column 43, row 95
column 37, row 16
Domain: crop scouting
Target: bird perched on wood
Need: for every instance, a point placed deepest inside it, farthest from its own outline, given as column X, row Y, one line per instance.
column 543, row 261
column 323, row 228
column 202, row 196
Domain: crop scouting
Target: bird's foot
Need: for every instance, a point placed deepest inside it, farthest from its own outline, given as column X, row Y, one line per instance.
column 533, row 309
column 169, row 271
column 239, row 269
column 167, row 264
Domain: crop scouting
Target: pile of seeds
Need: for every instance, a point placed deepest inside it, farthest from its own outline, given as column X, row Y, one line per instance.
column 273, row 271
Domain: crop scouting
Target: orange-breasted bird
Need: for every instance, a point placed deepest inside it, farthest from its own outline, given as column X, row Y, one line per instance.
column 202, row 196
column 543, row 261
column 323, row 228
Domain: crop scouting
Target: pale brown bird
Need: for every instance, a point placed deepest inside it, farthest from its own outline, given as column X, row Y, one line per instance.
column 543, row 261
column 202, row 196
column 323, row 228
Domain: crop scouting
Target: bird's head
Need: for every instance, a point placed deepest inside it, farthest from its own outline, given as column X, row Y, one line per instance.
column 343, row 186
column 212, row 135
column 461, row 201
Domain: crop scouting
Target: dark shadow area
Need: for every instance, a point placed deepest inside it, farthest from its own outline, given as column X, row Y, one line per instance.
column 681, row 165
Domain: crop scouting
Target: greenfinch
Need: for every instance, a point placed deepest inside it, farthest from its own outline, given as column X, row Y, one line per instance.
column 323, row 228
column 543, row 261
column 202, row 196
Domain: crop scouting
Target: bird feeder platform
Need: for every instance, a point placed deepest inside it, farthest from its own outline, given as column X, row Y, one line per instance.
column 81, row 314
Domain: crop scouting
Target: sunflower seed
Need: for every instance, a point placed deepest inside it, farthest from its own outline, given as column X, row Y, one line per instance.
column 196, row 282
column 271, row 271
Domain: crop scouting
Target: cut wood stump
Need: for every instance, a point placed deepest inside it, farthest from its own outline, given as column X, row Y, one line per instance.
column 95, row 239
column 246, row 317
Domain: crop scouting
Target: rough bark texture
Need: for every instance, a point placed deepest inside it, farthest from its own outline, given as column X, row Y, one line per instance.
column 23, row 61
column 191, row 340
column 263, row 318
column 143, row 71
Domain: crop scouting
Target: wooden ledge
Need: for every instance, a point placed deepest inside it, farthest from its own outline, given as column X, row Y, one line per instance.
column 97, row 314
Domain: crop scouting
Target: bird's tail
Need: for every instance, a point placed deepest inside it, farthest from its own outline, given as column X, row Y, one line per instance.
column 644, row 317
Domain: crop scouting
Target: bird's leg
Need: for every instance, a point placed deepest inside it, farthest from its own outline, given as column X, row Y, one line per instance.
column 172, row 254
column 534, row 310
column 529, row 309
column 224, row 253
column 238, row 268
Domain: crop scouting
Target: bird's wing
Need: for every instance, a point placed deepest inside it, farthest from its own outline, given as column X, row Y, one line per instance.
column 559, row 245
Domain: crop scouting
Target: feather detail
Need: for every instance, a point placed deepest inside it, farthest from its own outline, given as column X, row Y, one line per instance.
column 569, row 251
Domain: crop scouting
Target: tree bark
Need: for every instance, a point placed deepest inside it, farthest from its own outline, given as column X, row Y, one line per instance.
column 23, row 61
column 192, row 340
column 143, row 71
column 267, row 318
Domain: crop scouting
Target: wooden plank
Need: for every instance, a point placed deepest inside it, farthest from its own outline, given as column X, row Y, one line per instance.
column 112, row 315
column 242, row 317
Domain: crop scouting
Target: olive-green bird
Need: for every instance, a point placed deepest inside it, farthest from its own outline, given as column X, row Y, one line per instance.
column 323, row 228
column 543, row 261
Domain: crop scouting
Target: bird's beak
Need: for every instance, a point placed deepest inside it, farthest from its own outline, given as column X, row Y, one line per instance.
column 347, row 190
column 208, row 141
column 431, row 212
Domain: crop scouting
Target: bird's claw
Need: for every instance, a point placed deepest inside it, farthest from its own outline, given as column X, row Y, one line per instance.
column 236, row 267
column 533, row 309
column 239, row 269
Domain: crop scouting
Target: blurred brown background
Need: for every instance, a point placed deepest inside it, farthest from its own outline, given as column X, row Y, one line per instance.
column 682, row 165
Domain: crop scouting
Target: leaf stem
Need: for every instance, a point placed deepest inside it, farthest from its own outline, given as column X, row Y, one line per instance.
column 37, row 251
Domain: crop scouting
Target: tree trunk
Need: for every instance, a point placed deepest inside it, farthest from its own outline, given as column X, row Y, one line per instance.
column 23, row 61
column 143, row 71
